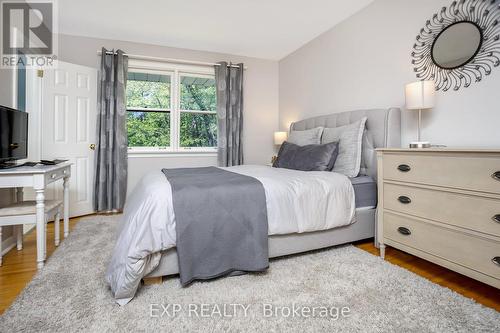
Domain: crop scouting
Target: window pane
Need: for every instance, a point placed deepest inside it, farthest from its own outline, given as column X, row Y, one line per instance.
column 197, row 93
column 146, row 90
column 148, row 129
column 198, row 130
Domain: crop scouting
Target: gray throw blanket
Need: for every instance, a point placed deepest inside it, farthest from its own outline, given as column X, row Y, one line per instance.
column 221, row 222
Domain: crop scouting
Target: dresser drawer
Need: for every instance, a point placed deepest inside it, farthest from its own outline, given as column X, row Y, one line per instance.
column 469, row 251
column 57, row 174
column 455, row 171
column 466, row 211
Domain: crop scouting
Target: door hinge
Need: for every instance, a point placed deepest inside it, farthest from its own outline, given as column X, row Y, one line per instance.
column 39, row 73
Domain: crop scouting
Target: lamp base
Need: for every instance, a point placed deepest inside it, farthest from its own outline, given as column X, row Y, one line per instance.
column 420, row 144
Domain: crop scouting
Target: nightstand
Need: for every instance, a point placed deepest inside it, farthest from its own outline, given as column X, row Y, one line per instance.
column 442, row 205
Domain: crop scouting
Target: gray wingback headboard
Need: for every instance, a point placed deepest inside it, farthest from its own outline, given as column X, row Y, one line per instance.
column 383, row 126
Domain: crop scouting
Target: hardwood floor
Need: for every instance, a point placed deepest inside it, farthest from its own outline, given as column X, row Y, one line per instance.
column 480, row 292
column 19, row 267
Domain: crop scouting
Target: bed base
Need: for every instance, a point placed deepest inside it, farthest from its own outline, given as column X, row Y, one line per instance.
column 148, row 281
column 281, row 245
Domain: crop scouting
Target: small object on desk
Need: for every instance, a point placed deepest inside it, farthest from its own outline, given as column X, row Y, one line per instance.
column 9, row 165
column 30, row 164
column 53, row 162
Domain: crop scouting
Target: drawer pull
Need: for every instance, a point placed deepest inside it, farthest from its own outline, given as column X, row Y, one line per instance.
column 404, row 168
column 404, row 200
column 496, row 175
column 407, row 232
column 496, row 218
column 496, row 261
column 53, row 176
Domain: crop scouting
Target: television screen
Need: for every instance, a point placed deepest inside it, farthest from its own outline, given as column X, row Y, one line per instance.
column 13, row 134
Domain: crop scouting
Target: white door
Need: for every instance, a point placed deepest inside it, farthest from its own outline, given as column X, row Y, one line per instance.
column 69, row 102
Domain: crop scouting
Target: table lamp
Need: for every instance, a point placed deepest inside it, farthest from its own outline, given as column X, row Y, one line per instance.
column 279, row 138
column 420, row 96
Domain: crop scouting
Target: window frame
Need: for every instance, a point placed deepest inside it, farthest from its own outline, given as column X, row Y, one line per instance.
column 175, row 71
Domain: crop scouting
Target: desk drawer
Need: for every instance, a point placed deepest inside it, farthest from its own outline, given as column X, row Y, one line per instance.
column 455, row 171
column 57, row 174
column 472, row 252
column 466, row 211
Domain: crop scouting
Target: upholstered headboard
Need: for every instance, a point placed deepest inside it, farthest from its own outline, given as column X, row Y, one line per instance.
column 383, row 127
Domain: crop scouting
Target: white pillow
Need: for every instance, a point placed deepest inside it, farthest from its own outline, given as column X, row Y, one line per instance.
column 350, row 138
column 307, row 137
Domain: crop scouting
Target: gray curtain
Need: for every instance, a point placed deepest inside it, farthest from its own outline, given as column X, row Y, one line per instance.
column 229, row 81
column 110, row 185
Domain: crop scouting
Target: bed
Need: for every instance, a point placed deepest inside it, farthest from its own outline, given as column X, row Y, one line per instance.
column 350, row 216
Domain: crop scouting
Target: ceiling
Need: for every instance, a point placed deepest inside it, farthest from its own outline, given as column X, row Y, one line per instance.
column 269, row 29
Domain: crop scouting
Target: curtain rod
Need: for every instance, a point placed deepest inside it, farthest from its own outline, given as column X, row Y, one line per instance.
column 176, row 61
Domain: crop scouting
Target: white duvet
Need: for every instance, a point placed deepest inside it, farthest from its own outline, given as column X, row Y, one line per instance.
column 297, row 202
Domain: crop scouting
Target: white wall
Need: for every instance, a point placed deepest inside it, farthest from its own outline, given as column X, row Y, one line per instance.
column 6, row 96
column 260, row 98
column 6, row 88
column 365, row 61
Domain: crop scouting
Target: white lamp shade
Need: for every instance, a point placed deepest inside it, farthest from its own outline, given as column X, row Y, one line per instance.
column 420, row 95
column 279, row 137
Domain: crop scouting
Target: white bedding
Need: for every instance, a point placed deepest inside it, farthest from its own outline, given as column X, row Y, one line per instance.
column 297, row 202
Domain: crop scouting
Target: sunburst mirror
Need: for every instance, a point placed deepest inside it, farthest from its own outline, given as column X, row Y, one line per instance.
column 459, row 45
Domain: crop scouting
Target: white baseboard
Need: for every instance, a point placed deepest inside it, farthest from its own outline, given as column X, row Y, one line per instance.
column 8, row 244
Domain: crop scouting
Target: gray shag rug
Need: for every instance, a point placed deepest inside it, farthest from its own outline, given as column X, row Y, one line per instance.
column 339, row 289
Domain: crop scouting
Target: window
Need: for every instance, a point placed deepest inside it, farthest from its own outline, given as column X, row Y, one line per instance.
column 198, row 112
column 171, row 109
column 148, row 110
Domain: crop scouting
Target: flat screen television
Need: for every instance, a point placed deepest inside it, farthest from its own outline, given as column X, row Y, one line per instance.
column 13, row 136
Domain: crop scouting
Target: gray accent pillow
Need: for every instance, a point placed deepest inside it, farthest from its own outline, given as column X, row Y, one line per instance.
column 307, row 158
column 350, row 138
column 307, row 137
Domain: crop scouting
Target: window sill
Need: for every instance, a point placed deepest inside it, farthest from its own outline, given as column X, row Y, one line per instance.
column 153, row 153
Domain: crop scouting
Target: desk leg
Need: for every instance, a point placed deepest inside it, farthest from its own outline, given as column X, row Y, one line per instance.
column 40, row 227
column 19, row 228
column 66, row 206
column 19, row 194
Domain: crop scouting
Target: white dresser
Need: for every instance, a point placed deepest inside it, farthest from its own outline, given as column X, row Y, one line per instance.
column 442, row 205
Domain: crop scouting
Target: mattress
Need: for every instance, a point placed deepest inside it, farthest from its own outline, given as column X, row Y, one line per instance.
column 296, row 202
column 365, row 191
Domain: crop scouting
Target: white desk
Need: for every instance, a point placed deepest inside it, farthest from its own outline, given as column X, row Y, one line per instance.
column 38, row 177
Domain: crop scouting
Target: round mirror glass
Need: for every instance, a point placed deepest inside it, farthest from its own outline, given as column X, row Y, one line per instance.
column 456, row 45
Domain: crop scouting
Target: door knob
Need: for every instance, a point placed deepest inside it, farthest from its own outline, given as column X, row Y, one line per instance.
column 92, row 146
